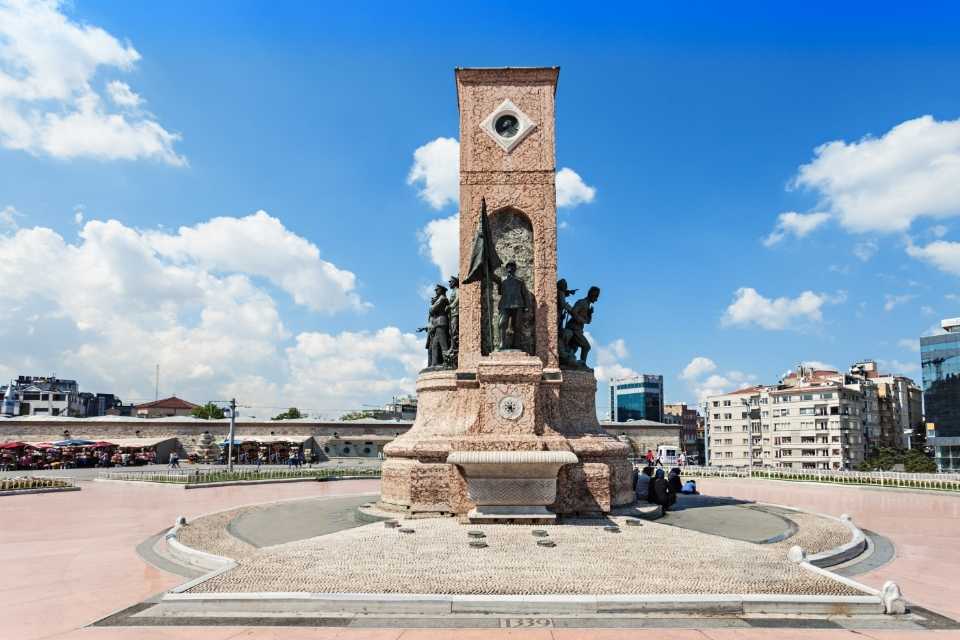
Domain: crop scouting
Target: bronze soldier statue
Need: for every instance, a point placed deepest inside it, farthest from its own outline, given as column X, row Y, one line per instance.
column 453, row 313
column 438, row 338
column 580, row 315
column 514, row 300
column 563, row 312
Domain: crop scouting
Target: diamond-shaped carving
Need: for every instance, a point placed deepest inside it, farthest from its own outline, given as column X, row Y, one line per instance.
column 508, row 125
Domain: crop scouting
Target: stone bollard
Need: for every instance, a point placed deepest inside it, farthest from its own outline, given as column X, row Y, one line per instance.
column 846, row 518
column 893, row 602
column 796, row 554
column 181, row 520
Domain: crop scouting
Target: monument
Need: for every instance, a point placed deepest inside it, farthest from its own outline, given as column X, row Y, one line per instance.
column 507, row 430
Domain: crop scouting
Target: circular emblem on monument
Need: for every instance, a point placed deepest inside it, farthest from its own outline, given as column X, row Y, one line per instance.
column 510, row 407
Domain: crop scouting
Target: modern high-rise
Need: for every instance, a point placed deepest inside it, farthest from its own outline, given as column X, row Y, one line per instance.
column 636, row 398
column 940, row 357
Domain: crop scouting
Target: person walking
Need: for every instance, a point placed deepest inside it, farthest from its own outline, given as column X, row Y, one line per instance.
column 174, row 460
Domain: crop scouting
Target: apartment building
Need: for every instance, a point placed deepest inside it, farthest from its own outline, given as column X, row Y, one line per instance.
column 809, row 422
column 680, row 414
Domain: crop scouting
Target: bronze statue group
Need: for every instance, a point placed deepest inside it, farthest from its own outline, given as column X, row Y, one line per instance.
column 443, row 319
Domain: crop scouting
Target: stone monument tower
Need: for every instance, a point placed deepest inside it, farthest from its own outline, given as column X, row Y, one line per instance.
column 509, row 434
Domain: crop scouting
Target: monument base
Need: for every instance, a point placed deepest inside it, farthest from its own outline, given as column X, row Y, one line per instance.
column 459, row 412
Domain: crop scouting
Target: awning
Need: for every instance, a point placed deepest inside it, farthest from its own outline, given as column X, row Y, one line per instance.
column 267, row 439
column 13, row 445
column 72, row 442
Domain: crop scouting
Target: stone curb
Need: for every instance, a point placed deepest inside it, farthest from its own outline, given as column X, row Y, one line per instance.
column 843, row 553
column 22, row 492
column 223, row 604
column 840, row 554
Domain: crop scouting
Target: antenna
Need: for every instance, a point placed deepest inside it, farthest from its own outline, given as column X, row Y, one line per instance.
column 156, row 388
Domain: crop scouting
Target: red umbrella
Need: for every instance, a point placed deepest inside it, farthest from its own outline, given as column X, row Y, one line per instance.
column 12, row 445
column 102, row 443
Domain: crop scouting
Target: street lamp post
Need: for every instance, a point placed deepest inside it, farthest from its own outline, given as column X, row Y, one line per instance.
column 233, row 423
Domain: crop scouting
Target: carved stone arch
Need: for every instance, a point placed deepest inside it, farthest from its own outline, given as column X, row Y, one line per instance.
column 513, row 236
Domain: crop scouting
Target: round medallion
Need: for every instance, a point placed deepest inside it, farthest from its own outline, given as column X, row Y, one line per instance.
column 507, row 125
column 510, row 407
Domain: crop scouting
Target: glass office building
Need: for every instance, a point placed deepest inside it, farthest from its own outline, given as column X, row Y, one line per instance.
column 940, row 356
column 636, row 398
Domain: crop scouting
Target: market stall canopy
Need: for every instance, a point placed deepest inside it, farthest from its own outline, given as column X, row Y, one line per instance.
column 13, row 445
column 72, row 442
column 103, row 443
column 268, row 439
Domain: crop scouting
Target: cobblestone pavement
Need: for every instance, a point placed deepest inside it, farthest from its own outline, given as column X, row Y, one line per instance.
column 210, row 534
column 815, row 533
column 436, row 558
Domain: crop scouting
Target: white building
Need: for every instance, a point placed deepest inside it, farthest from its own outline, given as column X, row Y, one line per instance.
column 43, row 396
column 807, row 422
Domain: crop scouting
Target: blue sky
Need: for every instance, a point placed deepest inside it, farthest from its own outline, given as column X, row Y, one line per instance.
column 691, row 125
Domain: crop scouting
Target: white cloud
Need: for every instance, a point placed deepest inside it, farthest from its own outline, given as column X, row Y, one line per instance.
column 8, row 217
column 703, row 382
column 892, row 301
column 108, row 306
column 260, row 245
column 440, row 241
column 884, row 184
column 793, row 223
column 572, row 190
column 910, row 344
column 938, row 230
column 942, row 254
column 697, row 368
column 48, row 101
column 78, row 214
column 927, row 310
column 436, row 171
column 865, row 250
column 750, row 307
column 609, row 359
column 122, row 95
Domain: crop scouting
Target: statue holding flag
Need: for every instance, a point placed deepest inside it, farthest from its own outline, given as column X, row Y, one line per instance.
column 484, row 262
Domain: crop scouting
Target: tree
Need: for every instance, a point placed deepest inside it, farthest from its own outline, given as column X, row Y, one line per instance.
column 916, row 461
column 208, row 411
column 356, row 415
column 290, row 414
column 884, row 459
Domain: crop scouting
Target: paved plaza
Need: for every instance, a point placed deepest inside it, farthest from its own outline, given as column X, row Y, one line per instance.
column 70, row 559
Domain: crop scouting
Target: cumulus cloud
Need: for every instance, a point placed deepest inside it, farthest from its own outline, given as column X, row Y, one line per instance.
column 609, row 360
column 436, row 171
column 749, row 307
column 109, row 305
column 796, row 224
column 703, row 379
column 698, row 367
column 884, row 184
column 899, row 367
column 260, row 245
column 49, row 103
column 942, row 254
column 572, row 190
column 440, row 241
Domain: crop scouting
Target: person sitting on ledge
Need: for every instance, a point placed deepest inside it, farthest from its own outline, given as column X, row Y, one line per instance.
column 676, row 484
column 660, row 491
column 689, row 488
column 643, row 483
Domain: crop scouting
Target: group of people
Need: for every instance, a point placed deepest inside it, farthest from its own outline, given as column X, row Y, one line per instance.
column 657, row 488
column 654, row 460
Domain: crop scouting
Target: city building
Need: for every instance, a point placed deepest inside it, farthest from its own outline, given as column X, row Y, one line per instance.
column 636, row 398
column 42, row 395
column 687, row 417
column 645, row 435
column 809, row 420
column 940, row 357
column 165, row 408
column 899, row 405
